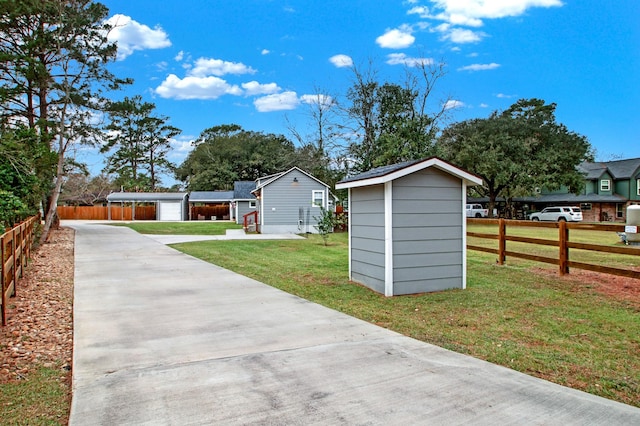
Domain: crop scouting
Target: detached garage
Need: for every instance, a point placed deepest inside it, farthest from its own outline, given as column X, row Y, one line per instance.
column 170, row 206
column 407, row 227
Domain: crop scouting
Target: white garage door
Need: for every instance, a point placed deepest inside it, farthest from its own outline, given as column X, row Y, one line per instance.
column 169, row 211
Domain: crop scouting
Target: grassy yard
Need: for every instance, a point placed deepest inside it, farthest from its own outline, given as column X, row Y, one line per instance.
column 180, row 228
column 560, row 329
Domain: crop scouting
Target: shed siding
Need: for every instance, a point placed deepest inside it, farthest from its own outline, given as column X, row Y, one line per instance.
column 243, row 208
column 367, row 236
column 286, row 202
column 427, row 232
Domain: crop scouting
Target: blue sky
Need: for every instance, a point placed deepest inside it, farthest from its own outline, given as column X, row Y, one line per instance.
column 254, row 62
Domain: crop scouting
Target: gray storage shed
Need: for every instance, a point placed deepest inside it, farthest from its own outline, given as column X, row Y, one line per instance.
column 170, row 206
column 407, row 226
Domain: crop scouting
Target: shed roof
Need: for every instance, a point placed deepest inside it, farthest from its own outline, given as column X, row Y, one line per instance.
column 210, row 196
column 150, row 197
column 384, row 174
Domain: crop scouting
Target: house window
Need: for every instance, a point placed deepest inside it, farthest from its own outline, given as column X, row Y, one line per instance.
column 585, row 206
column 619, row 211
column 252, row 204
column 638, row 186
column 605, row 185
column 317, row 198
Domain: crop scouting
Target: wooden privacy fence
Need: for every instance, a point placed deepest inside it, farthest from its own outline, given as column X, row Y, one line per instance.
column 563, row 243
column 214, row 212
column 16, row 250
column 102, row 212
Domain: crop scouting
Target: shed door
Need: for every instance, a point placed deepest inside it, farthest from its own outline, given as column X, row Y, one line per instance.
column 169, row 210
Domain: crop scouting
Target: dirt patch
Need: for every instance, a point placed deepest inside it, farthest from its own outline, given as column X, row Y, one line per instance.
column 39, row 329
column 622, row 289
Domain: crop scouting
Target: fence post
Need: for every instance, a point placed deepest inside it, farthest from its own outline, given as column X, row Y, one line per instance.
column 563, row 247
column 502, row 241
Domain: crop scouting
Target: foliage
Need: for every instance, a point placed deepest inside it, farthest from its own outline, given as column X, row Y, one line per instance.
column 557, row 329
column 321, row 150
column 517, row 151
column 393, row 121
column 12, row 210
column 327, row 221
column 25, row 165
column 82, row 189
column 53, row 76
column 227, row 153
column 138, row 142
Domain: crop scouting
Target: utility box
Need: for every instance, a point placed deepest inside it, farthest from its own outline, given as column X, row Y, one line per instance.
column 407, row 226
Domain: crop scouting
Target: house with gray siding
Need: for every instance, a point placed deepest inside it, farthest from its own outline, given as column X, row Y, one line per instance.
column 407, row 226
column 243, row 200
column 289, row 202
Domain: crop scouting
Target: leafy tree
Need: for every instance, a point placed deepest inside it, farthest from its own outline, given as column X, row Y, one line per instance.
column 327, row 222
column 227, row 153
column 54, row 55
column 394, row 122
column 139, row 143
column 517, row 150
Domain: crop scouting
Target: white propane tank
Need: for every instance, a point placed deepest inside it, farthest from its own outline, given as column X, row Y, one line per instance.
column 633, row 219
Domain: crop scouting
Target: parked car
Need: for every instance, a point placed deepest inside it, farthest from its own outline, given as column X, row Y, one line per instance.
column 558, row 214
column 476, row 210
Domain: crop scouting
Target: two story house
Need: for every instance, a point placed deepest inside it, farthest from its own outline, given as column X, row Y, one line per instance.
column 610, row 187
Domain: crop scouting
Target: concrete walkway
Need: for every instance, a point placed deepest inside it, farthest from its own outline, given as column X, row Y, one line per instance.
column 162, row 338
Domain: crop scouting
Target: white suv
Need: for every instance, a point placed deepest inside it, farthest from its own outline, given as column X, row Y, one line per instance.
column 558, row 214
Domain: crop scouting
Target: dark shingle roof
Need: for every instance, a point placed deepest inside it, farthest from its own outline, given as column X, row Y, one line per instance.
column 242, row 190
column 620, row 169
column 380, row 171
column 204, row 196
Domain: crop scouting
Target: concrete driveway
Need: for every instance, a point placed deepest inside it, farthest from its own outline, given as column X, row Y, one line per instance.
column 162, row 338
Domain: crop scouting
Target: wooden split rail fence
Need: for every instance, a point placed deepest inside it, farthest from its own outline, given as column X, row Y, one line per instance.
column 16, row 250
column 563, row 243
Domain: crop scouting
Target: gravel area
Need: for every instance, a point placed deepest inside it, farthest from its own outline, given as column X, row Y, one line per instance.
column 39, row 329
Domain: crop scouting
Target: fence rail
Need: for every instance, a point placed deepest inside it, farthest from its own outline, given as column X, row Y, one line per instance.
column 16, row 250
column 563, row 243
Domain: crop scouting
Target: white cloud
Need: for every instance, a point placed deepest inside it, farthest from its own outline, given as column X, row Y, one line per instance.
column 402, row 59
column 341, row 61
column 253, row 88
column 398, row 38
column 462, row 36
column 479, row 67
column 421, row 11
column 483, row 105
column 206, row 66
column 277, row 102
column 317, row 99
column 196, row 88
column 131, row 36
column 451, row 104
column 503, row 96
column 473, row 10
column 179, row 56
column 265, row 52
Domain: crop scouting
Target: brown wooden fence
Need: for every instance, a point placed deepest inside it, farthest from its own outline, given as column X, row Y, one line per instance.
column 563, row 243
column 213, row 212
column 102, row 212
column 16, row 250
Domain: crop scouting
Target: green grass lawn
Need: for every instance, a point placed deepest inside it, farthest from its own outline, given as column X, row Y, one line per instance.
column 559, row 329
column 181, row 228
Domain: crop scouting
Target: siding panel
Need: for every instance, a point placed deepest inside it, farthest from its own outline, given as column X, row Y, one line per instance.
column 427, row 232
